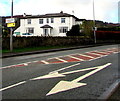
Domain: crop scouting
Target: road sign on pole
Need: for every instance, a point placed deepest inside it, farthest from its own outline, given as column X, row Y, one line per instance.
column 11, row 25
column 10, row 20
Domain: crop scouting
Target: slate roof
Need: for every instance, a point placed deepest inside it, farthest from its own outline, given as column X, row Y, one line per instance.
column 51, row 15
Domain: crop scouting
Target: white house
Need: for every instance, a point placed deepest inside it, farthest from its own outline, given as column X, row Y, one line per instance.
column 55, row 24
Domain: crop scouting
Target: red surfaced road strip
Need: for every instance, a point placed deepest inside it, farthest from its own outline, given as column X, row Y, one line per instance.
column 82, row 57
column 99, row 53
column 19, row 65
column 93, row 55
column 109, row 52
column 67, row 58
column 53, row 61
column 40, row 62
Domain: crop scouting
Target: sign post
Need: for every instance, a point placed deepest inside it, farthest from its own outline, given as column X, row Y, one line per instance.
column 11, row 23
column 11, row 30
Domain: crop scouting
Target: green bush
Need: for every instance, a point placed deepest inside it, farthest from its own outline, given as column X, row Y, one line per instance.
column 24, row 42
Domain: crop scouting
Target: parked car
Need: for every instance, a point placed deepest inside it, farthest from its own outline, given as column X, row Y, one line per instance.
column 26, row 34
column 16, row 34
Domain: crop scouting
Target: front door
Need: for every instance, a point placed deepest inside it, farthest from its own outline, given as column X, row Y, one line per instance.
column 46, row 32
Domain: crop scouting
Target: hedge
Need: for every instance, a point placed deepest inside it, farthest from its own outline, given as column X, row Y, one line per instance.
column 24, row 42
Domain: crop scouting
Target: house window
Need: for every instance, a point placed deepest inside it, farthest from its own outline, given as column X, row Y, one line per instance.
column 52, row 20
column 30, row 30
column 62, row 20
column 63, row 29
column 29, row 21
column 47, row 20
column 40, row 21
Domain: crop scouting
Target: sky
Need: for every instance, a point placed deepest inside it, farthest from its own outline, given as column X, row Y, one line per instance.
column 105, row 10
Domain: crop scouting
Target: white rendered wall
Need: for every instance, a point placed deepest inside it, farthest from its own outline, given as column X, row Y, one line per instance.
column 38, row 31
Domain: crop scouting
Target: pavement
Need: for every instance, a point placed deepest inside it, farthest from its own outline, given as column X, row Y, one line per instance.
column 115, row 96
column 112, row 92
column 106, row 95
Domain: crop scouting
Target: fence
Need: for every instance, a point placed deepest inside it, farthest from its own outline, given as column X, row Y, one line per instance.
column 108, row 35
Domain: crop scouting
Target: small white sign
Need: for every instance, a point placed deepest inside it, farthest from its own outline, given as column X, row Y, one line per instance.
column 10, row 20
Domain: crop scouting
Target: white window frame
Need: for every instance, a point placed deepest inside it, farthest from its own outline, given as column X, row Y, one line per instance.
column 41, row 21
column 47, row 20
column 63, row 20
column 29, row 21
column 30, row 29
column 52, row 20
column 63, row 29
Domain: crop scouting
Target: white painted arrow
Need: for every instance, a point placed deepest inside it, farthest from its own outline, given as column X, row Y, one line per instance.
column 67, row 85
column 55, row 74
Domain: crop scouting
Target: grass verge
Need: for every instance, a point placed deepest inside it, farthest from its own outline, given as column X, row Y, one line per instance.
column 33, row 49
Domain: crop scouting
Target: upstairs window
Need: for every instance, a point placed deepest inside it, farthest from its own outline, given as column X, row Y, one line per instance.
column 40, row 21
column 29, row 21
column 62, row 20
column 47, row 20
column 52, row 20
column 63, row 29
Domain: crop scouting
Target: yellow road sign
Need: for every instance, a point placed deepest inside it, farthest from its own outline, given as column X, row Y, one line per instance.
column 11, row 25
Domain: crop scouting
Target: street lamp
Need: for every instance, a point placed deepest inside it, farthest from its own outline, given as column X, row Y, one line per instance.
column 11, row 29
column 94, row 22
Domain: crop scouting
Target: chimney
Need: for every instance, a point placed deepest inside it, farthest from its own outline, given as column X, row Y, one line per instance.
column 61, row 12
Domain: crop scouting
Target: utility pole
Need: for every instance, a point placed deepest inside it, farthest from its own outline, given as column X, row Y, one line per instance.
column 11, row 30
column 94, row 22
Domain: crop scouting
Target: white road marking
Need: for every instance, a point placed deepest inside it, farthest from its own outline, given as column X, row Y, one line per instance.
column 45, row 62
column 92, row 72
column 65, row 68
column 61, row 59
column 25, row 64
column 67, row 85
column 63, row 86
column 56, row 74
column 75, row 58
column 95, row 59
column 12, row 86
column 81, row 70
column 48, row 76
column 86, row 55
column 103, row 52
column 95, row 53
column 35, row 61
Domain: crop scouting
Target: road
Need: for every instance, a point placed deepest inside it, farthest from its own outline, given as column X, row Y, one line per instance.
column 73, row 74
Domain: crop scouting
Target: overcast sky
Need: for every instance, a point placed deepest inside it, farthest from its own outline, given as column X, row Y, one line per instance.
column 105, row 10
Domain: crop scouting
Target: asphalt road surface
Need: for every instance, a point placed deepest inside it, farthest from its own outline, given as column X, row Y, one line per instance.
column 73, row 74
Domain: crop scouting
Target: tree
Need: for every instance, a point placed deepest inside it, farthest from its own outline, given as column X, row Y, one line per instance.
column 75, row 31
column 87, row 28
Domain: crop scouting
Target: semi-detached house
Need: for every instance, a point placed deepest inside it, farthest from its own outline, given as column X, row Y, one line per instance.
column 55, row 24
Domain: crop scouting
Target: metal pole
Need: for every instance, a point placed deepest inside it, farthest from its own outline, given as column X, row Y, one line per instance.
column 11, row 30
column 94, row 22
